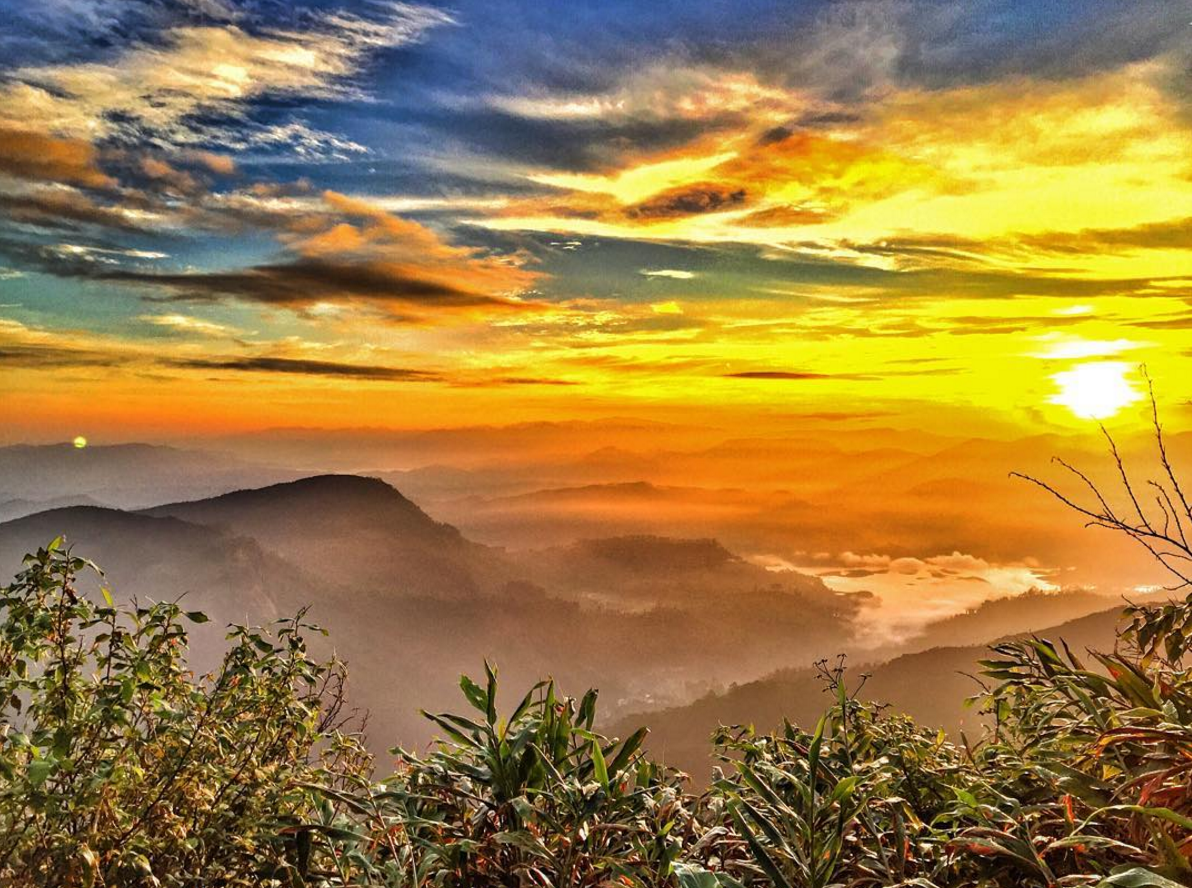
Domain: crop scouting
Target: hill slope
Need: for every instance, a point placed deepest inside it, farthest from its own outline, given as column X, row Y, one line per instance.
column 351, row 530
column 929, row 685
column 411, row 603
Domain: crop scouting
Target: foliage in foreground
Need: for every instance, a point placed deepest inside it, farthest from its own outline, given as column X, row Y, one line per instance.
column 118, row 766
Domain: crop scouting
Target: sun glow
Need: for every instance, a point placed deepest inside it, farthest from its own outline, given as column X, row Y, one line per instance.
column 1095, row 391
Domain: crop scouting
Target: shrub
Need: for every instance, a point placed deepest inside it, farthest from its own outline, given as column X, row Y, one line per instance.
column 537, row 798
column 121, row 767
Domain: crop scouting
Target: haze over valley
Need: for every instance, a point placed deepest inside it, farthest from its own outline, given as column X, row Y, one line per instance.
column 605, row 566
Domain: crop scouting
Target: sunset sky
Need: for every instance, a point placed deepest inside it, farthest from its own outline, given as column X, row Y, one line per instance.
column 222, row 216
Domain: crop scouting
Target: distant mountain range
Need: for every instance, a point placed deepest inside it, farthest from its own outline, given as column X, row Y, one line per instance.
column 411, row 603
column 637, row 586
column 125, row 476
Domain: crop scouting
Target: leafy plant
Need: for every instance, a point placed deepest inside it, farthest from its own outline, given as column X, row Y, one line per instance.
column 536, row 798
column 120, row 767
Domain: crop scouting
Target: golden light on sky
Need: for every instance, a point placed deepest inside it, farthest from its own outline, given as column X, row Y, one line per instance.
column 810, row 216
column 1096, row 390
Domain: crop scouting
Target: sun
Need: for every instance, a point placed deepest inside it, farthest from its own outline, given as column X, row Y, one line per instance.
column 1095, row 391
column 80, row 442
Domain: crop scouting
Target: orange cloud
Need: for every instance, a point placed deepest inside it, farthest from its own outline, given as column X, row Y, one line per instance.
column 44, row 158
column 785, row 177
column 353, row 254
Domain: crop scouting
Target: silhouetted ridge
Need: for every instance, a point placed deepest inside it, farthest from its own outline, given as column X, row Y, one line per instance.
column 355, row 531
column 320, row 501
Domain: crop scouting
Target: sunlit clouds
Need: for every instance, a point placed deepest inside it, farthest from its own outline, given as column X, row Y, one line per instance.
column 929, row 211
column 158, row 90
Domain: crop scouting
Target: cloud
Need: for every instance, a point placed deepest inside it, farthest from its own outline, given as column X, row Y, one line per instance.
column 340, row 251
column 688, row 200
column 672, row 273
column 365, row 372
column 785, row 177
column 514, row 380
column 34, row 348
column 68, row 208
column 187, row 324
column 305, row 367
column 306, row 282
column 49, row 357
column 663, row 90
column 785, row 216
column 170, row 91
column 1168, row 234
column 783, row 374
column 40, row 157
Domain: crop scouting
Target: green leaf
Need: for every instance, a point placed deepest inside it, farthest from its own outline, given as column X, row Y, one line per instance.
column 599, row 764
column 474, row 693
column 1138, row 878
column 691, row 875
column 628, row 748
column 39, row 770
column 491, row 700
column 760, row 854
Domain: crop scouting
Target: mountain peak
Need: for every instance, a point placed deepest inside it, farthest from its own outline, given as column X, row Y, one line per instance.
column 344, row 501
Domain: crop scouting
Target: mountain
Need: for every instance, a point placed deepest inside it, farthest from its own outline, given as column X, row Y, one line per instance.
column 557, row 516
column 931, row 686
column 1008, row 615
column 18, row 508
column 411, row 603
column 127, row 476
column 347, row 529
column 230, row 578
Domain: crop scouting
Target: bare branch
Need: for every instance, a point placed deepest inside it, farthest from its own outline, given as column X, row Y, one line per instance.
column 1168, row 546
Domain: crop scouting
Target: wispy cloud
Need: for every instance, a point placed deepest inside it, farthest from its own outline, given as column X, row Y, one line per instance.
column 188, row 324
column 173, row 91
column 305, row 367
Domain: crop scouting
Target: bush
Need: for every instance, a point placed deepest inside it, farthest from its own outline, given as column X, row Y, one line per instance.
column 120, row 767
column 537, row 798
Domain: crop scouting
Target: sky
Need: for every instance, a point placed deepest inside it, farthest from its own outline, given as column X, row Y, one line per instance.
column 219, row 216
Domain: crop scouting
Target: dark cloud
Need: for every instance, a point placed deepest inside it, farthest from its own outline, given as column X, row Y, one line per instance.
column 301, row 282
column 307, row 281
column 583, row 145
column 946, row 44
column 339, row 369
column 981, row 325
column 498, row 381
column 1179, row 322
column 63, row 210
column 785, row 374
column 785, row 216
column 306, row 368
column 688, row 200
column 48, row 357
column 1172, row 234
